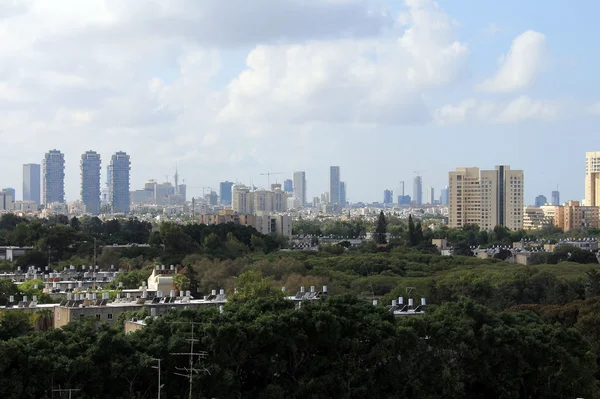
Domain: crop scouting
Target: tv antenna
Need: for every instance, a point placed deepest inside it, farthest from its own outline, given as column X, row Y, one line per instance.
column 194, row 359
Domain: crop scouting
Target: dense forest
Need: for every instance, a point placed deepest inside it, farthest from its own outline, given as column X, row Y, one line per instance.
column 491, row 329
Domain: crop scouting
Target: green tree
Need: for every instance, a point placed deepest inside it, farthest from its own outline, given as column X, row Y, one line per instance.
column 412, row 233
column 381, row 229
column 181, row 282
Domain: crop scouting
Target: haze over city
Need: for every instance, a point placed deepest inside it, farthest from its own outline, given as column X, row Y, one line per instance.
column 380, row 88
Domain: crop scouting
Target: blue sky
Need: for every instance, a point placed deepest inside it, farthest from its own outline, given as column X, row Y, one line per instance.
column 231, row 89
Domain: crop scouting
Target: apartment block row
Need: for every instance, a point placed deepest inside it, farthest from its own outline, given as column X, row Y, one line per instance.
column 571, row 216
column 263, row 222
column 486, row 198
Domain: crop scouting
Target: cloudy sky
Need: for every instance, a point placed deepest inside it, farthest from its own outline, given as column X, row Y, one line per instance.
column 228, row 89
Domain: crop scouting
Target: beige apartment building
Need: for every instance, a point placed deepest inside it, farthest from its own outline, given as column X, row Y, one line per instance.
column 487, row 198
column 573, row 216
column 592, row 178
column 536, row 219
column 264, row 222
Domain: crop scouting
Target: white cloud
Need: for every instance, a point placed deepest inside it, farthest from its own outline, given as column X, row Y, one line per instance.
column 520, row 109
column 594, row 109
column 521, row 66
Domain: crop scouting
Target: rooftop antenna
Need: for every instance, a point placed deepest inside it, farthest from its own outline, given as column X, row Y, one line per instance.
column 194, row 358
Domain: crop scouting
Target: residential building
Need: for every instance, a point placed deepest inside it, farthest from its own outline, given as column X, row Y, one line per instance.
column 592, row 178
column 540, row 200
column 288, row 186
column 334, row 184
column 120, row 166
column 12, row 192
column 343, row 191
column 241, row 199
column 6, row 201
column 431, row 195
column 555, row 198
column 464, row 197
column 502, row 198
column 225, row 192
column 388, row 197
column 299, row 187
column 25, row 206
column 90, row 182
column 534, row 218
column 578, row 217
column 556, row 214
column 54, row 177
column 418, row 190
column 31, row 182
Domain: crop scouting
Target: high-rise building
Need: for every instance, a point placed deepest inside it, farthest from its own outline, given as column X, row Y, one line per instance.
column 300, row 187
column 388, row 197
column 418, row 190
column 90, row 182
column 6, row 201
column 10, row 190
column 431, row 195
column 343, row 191
column 401, row 189
column 120, row 166
column 225, row 192
column 592, row 178
column 444, row 196
column 242, row 199
column 493, row 198
column 404, row 200
column 31, row 182
column 288, row 186
column 540, row 200
column 555, row 198
column 54, row 177
column 334, row 185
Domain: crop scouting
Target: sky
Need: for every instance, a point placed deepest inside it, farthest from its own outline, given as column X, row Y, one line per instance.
column 232, row 89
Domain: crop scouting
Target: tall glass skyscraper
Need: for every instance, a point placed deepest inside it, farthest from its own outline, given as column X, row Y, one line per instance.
column 300, row 187
column 90, row 182
column 288, row 186
column 418, row 190
column 31, row 182
column 120, row 165
column 343, row 199
column 225, row 192
column 334, row 185
column 54, row 177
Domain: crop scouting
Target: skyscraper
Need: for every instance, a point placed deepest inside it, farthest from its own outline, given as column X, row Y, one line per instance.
column 444, row 196
column 592, row 178
column 388, row 197
column 288, row 186
column 430, row 195
column 11, row 191
column 31, row 182
column 540, row 200
column 493, row 198
column 334, row 185
column 556, row 198
column 418, row 190
column 343, row 188
column 120, row 166
column 300, row 187
column 54, row 177
column 90, row 181
column 225, row 192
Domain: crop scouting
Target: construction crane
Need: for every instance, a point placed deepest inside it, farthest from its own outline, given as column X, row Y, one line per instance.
column 268, row 174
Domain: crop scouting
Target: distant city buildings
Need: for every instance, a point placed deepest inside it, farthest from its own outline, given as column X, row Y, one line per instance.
column 120, row 167
column 225, row 192
column 54, row 177
column 299, row 187
column 343, row 200
column 6, row 201
column 334, row 185
column 418, row 190
column 444, row 196
column 540, row 200
column 555, row 198
column 573, row 216
column 288, row 186
column 592, row 178
column 388, row 197
column 90, row 182
column 487, row 199
column 404, row 200
column 31, row 182
column 431, row 196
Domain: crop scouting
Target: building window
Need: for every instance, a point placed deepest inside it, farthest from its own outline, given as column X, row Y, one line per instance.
column 98, row 316
column 109, row 316
column 57, row 315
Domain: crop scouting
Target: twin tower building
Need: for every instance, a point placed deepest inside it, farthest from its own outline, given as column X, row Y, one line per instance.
column 53, row 181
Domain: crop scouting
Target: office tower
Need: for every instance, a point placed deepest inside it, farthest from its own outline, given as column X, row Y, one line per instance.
column 279, row 200
column 592, row 178
column 388, row 197
column 334, row 185
column 241, row 201
column 31, row 182
column 183, row 192
column 288, row 186
column 90, row 182
column 120, row 165
column 418, row 190
column 6, row 201
column 401, row 189
column 11, row 191
column 54, row 177
column 444, row 196
column 430, row 195
column 343, row 188
column 225, row 192
column 213, row 198
column 300, row 187
column 404, row 200
column 540, row 200
column 493, row 198
column 555, row 198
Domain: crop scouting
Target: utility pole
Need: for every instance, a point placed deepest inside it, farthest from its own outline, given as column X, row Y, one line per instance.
column 194, row 357
column 70, row 391
column 158, row 367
